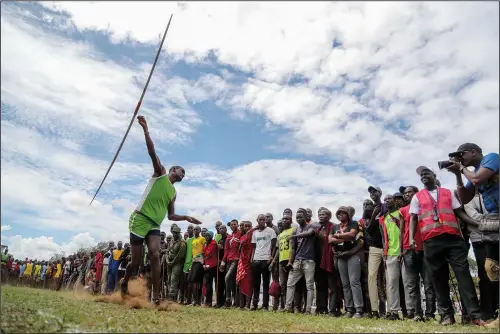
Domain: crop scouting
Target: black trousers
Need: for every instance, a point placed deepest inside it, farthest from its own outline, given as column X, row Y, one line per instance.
column 210, row 275
column 488, row 291
column 444, row 250
column 221, row 288
column 260, row 269
column 326, row 291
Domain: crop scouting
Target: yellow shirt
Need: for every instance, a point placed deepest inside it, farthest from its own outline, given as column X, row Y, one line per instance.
column 198, row 246
column 37, row 269
column 116, row 254
column 29, row 269
column 58, row 272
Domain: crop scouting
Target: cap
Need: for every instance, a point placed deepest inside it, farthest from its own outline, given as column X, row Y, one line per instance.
column 398, row 195
column 402, row 189
column 422, row 168
column 210, row 233
column 371, row 188
column 467, row 147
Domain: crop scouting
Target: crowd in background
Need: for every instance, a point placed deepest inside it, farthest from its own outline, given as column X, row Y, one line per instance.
column 393, row 262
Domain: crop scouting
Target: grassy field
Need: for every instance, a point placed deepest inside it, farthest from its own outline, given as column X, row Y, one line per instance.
column 34, row 310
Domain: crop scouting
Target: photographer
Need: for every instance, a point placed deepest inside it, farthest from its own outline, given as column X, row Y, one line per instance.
column 484, row 177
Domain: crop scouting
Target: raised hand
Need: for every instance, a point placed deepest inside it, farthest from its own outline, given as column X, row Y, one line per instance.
column 143, row 123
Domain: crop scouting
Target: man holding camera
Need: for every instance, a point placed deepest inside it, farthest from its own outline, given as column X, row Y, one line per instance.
column 434, row 210
column 480, row 196
column 484, row 177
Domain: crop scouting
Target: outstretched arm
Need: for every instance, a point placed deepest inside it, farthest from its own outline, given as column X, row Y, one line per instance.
column 174, row 217
column 158, row 168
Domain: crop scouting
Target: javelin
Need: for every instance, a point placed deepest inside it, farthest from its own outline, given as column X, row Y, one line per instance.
column 135, row 112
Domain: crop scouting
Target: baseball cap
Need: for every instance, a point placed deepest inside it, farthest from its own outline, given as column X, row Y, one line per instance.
column 402, row 189
column 422, row 168
column 467, row 147
column 371, row 188
column 398, row 195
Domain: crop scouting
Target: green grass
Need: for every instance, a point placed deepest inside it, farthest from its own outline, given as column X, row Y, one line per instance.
column 35, row 310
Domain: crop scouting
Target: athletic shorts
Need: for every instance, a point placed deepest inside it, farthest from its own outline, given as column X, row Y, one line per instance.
column 140, row 227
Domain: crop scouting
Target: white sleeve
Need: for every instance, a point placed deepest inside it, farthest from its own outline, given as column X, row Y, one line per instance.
column 254, row 239
column 414, row 206
column 455, row 203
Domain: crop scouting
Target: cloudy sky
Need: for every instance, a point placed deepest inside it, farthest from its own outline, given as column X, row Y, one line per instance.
column 266, row 105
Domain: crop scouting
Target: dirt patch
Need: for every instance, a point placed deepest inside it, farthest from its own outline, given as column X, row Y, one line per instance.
column 137, row 298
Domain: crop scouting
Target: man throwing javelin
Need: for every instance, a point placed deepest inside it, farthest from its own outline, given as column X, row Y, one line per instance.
column 144, row 224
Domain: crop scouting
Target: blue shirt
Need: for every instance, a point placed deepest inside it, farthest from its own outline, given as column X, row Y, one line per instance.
column 21, row 269
column 489, row 189
column 42, row 273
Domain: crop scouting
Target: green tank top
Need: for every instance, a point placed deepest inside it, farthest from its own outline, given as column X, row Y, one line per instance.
column 156, row 198
column 285, row 244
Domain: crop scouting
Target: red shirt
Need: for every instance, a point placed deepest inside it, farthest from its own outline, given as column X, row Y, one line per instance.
column 232, row 247
column 405, row 212
column 210, row 252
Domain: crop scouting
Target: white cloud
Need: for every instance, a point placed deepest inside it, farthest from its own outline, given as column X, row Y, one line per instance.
column 5, row 228
column 43, row 248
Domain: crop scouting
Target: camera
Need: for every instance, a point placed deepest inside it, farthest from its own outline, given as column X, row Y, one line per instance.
column 445, row 164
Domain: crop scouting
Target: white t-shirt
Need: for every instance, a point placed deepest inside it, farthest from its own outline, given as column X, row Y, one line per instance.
column 262, row 240
column 67, row 266
column 415, row 206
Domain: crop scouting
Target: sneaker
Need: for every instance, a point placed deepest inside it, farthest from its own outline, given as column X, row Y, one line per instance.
column 410, row 315
column 479, row 322
column 253, row 308
column 348, row 314
column 358, row 315
column 447, row 320
column 430, row 317
column 375, row 315
column 418, row 318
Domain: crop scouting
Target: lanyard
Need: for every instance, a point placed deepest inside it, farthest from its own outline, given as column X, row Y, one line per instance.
column 435, row 205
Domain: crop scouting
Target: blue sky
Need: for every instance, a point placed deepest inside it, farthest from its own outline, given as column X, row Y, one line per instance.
column 266, row 105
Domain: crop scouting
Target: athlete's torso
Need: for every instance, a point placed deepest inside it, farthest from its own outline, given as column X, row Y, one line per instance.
column 155, row 200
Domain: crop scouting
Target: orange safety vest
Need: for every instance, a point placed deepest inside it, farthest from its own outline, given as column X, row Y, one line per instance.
column 447, row 221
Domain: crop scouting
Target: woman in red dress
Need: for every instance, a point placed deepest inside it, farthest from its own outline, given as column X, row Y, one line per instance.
column 244, row 271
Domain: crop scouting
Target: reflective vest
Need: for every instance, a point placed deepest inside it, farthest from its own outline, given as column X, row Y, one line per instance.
column 447, row 223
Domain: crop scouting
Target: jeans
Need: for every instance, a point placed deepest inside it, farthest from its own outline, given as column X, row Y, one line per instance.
column 488, row 291
column 416, row 270
column 376, row 279
column 325, row 282
column 301, row 268
column 393, row 275
column 231, row 281
column 260, row 269
column 350, row 275
column 444, row 250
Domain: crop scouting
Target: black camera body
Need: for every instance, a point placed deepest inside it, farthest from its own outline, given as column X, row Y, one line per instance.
column 445, row 164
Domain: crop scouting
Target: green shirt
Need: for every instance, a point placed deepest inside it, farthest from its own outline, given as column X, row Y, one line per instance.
column 156, row 198
column 4, row 258
column 218, row 237
column 189, row 255
column 393, row 233
column 285, row 245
